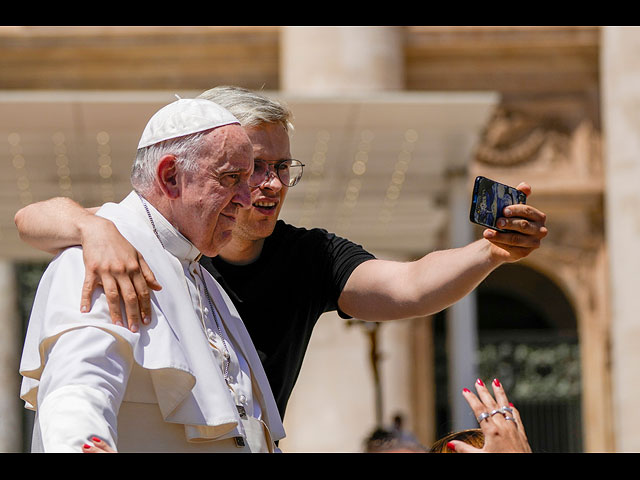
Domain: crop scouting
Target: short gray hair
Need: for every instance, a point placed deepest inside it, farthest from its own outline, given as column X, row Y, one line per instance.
column 187, row 150
column 249, row 107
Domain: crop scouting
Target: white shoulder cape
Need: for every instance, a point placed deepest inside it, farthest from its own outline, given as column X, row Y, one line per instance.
column 189, row 388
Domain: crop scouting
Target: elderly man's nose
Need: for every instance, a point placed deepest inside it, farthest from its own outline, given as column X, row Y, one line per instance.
column 243, row 196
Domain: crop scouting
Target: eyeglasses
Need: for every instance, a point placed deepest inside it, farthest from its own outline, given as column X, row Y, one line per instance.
column 289, row 172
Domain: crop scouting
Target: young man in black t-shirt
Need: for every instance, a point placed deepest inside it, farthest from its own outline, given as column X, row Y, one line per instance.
column 299, row 276
column 268, row 264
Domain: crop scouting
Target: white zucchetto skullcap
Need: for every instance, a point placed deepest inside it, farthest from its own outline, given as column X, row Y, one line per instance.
column 184, row 117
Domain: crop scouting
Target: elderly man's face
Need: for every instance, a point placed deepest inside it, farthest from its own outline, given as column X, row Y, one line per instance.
column 212, row 197
column 271, row 144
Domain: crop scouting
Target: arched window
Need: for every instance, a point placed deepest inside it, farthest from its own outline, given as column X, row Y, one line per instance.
column 527, row 335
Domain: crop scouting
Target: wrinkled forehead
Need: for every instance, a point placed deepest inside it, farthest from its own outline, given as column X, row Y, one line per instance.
column 228, row 144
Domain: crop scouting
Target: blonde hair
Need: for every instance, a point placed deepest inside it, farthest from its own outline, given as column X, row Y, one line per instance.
column 249, row 107
column 472, row 436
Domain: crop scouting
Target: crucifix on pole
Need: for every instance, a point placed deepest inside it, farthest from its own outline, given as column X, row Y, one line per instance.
column 371, row 330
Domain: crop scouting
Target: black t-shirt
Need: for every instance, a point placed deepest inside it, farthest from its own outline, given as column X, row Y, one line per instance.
column 299, row 275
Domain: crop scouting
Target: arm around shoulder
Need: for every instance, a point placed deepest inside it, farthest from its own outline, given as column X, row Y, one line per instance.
column 53, row 224
column 110, row 260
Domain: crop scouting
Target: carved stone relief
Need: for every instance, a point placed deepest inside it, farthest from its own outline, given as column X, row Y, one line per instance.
column 514, row 139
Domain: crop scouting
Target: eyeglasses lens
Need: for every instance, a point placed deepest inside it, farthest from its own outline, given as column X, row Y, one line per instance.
column 289, row 172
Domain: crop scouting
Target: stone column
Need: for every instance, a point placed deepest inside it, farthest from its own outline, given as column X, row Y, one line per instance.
column 339, row 60
column 462, row 331
column 620, row 74
column 10, row 348
column 424, row 380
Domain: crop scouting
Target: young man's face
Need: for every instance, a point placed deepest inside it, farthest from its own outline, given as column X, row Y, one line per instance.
column 270, row 144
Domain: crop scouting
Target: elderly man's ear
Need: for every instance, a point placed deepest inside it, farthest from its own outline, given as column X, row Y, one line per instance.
column 167, row 176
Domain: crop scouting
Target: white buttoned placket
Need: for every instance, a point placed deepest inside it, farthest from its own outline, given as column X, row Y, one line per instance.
column 234, row 367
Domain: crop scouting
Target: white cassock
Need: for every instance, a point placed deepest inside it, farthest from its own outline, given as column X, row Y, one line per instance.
column 185, row 383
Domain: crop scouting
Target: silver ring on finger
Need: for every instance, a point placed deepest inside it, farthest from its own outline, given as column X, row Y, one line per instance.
column 507, row 417
column 505, row 409
column 483, row 416
column 493, row 412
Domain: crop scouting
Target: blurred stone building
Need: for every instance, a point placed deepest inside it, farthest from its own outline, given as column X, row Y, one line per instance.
column 393, row 124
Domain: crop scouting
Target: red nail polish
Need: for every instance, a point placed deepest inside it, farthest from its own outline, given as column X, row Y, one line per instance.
column 451, row 446
column 480, row 383
column 466, row 390
column 511, row 404
column 85, row 446
column 95, row 440
column 496, row 382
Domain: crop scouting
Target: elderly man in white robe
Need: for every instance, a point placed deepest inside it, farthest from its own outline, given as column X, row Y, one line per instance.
column 191, row 381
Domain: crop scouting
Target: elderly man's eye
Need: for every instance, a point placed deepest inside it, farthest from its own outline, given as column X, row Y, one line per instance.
column 229, row 179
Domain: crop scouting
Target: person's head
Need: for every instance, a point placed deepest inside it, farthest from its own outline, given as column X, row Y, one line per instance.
column 472, row 436
column 385, row 441
column 268, row 124
column 193, row 164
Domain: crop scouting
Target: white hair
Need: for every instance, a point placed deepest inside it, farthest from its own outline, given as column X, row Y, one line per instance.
column 187, row 150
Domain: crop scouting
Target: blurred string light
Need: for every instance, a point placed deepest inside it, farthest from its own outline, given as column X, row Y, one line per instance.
column 19, row 164
column 105, row 169
column 354, row 186
column 313, row 179
column 62, row 162
column 398, row 177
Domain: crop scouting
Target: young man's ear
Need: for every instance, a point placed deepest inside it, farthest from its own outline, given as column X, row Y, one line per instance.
column 167, row 176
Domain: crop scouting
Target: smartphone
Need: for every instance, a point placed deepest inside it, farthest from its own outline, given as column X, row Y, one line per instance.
column 489, row 199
